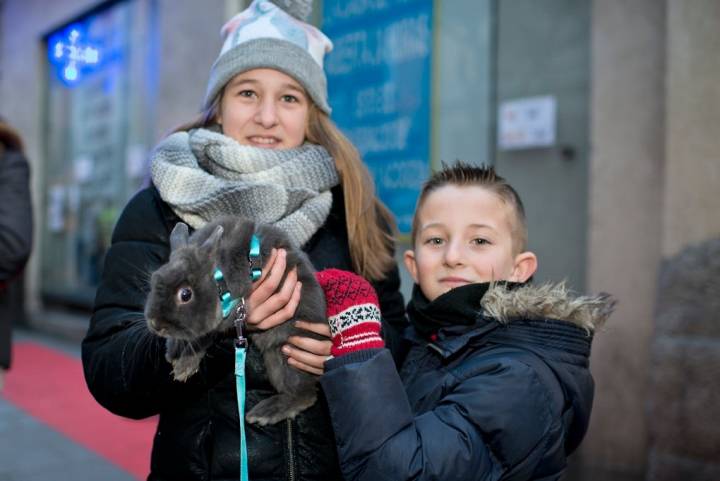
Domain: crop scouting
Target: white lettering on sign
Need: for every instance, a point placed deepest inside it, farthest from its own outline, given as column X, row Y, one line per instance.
column 378, row 99
column 389, row 136
column 344, row 9
column 406, row 39
column 406, row 174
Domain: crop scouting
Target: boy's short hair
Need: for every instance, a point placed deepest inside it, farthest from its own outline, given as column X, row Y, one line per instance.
column 464, row 174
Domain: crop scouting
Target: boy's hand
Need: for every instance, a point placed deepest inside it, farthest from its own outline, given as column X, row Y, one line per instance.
column 353, row 311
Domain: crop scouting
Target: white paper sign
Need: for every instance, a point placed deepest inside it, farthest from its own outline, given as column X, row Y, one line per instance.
column 527, row 123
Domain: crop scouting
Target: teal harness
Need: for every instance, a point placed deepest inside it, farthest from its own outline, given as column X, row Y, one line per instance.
column 237, row 306
column 255, row 263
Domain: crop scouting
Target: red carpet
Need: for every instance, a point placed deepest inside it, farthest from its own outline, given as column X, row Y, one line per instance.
column 49, row 385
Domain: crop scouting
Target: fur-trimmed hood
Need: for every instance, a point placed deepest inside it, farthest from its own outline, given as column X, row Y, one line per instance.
column 558, row 326
column 547, row 301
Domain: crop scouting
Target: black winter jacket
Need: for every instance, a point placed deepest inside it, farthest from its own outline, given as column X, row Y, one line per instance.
column 16, row 222
column 198, row 434
column 15, row 206
column 487, row 400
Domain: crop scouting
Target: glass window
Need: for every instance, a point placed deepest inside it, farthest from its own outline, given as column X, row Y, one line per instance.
column 97, row 137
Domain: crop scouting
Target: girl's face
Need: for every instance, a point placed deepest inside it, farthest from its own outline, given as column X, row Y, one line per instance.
column 264, row 108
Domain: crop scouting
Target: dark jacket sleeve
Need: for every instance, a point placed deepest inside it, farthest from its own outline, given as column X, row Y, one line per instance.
column 15, row 214
column 123, row 361
column 491, row 420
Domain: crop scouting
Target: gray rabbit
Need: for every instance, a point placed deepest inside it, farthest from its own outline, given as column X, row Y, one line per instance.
column 184, row 307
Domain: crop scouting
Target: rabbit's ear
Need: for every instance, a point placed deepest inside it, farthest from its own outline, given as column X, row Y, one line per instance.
column 212, row 241
column 178, row 236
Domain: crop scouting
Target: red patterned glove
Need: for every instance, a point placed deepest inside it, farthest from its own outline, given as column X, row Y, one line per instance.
column 352, row 311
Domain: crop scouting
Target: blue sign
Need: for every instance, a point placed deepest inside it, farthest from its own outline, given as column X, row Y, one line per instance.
column 379, row 87
column 71, row 54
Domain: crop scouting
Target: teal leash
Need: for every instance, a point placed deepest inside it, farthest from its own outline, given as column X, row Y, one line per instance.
column 240, row 352
column 238, row 306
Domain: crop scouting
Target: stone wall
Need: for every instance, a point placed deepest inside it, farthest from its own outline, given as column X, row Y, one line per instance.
column 684, row 400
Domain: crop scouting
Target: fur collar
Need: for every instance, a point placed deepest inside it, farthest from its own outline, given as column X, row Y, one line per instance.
column 547, row 301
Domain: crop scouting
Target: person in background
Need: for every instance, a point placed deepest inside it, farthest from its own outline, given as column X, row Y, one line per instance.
column 15, row 228
column 264, row 148
column 496, row 384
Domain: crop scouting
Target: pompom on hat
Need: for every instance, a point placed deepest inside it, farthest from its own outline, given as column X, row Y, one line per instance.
column 273, row 35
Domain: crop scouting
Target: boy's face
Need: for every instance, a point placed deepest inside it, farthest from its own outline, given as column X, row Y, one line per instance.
column 465, row 237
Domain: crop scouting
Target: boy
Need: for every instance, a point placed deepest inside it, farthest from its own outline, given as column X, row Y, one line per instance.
column 496, row 382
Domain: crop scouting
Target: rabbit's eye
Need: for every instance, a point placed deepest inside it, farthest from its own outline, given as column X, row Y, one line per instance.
column 184, row 294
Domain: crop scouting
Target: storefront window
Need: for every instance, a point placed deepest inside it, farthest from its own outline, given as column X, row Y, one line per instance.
column 96, row 142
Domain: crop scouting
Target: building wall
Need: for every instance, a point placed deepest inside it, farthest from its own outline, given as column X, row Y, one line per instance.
column 683, row 441
column 692, row 181
column 655, row 178
column 463, row 62
column 189, row 43
column 543, row 48
column 625, row 220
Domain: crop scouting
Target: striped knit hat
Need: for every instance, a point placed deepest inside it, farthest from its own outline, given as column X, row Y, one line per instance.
column 353, row 311
column 264, row 35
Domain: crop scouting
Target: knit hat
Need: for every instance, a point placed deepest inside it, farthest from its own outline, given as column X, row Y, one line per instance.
column 353, row 311
column 267, row 36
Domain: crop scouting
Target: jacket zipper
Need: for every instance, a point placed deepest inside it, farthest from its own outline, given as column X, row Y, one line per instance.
column 291, row 451
column 436, row 348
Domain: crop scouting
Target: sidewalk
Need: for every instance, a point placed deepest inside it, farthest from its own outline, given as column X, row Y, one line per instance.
column 51, row 428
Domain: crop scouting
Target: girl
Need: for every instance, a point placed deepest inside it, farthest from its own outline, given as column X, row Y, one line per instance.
column 264, row 148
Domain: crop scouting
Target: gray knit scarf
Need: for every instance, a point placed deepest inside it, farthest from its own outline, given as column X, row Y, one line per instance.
column 203, row 174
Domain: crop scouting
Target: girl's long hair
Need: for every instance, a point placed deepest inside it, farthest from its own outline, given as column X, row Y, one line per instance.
column 370, row 225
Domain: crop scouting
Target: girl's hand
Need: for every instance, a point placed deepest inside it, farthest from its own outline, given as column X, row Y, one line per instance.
column 267, row 308
column 306, row 353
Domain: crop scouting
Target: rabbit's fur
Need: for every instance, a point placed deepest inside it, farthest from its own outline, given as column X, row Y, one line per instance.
column 192, row 326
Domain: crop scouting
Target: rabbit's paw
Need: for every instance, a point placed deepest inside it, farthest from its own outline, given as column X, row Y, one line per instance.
column 185, row 366
column 276, row 408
